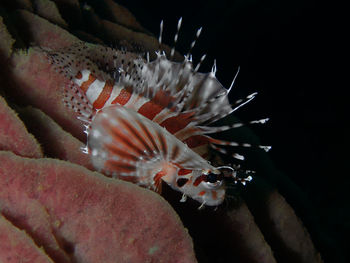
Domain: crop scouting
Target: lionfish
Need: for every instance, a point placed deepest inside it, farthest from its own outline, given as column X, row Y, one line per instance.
column 148, row 121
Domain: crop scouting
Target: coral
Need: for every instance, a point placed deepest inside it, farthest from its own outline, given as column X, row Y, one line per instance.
column 14, row 136
column 55, row 141
column 17, row 246
column 94, row 218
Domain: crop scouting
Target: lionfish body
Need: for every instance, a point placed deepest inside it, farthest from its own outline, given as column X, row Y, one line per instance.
column 147, row 122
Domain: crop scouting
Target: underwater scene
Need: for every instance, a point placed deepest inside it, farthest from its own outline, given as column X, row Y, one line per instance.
column 185, row 131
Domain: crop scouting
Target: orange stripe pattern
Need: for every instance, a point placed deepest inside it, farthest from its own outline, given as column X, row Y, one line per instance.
column 86, row 84
column 104, row 95
column 123, row 97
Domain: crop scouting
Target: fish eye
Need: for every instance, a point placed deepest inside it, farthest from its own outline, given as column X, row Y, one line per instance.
column 213, row 178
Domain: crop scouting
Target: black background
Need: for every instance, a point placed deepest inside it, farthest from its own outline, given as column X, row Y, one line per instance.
column 292, row 54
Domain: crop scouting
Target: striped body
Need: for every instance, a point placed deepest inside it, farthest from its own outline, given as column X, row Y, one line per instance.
column 102, row 94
